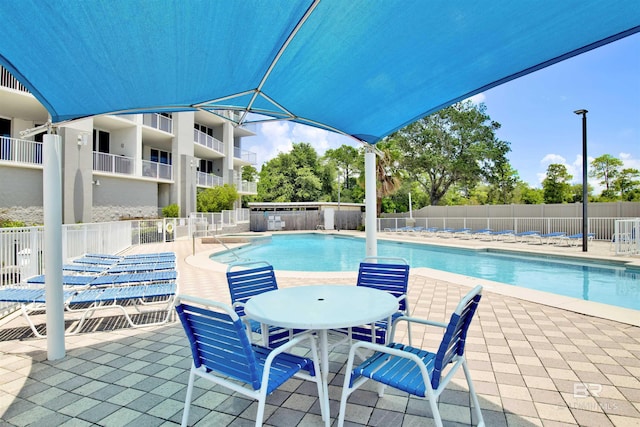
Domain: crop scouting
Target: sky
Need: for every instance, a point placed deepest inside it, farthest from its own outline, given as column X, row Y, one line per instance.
column 536, row 113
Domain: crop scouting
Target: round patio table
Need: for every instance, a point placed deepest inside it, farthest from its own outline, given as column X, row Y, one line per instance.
column 321, row 308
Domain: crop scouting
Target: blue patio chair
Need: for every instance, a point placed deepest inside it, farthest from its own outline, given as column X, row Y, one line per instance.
column 223, row 354
column 414, row 370
column 387, row 274
column 247, row 279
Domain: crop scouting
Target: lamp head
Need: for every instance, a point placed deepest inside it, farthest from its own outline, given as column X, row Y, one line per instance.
column 581, row 111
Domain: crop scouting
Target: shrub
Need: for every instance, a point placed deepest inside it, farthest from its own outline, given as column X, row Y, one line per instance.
column 171, row 211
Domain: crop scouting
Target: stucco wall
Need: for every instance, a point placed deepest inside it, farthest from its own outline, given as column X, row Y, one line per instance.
column 116, row 199
column 21, row 195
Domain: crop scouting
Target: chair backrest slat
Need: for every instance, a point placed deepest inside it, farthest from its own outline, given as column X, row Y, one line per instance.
column 246, row 283
column 219, row 342
column 392, row 278
column 455, row 336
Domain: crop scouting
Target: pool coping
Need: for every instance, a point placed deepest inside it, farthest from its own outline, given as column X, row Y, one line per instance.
column 589, row 308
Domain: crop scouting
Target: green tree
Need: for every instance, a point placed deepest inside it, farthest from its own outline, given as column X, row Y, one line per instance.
column 627, row 182
column 556, row 186
column 531, row 196
column 606, row 168
column 502, row 184
column 348, row 160
column 455, row 146
column 298, row 176
column 576, row 193
column 249, row 174
column 216, row 199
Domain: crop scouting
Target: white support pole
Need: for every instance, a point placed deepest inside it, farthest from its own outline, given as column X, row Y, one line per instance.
column 52, row 206
column 371, row 200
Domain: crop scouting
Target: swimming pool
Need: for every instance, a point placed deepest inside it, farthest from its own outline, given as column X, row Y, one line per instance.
column 601, row 282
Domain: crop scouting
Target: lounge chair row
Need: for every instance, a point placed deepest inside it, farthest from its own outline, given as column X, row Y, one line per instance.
column 532, row 236
column 100, row 290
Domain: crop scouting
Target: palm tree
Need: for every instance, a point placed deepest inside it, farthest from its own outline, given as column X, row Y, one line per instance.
column 387, row 174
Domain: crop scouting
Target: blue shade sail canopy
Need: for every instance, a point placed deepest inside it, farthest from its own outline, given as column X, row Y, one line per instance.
column 360, row 67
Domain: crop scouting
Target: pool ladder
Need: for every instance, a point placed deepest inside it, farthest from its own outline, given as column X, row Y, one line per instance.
column 229, row 249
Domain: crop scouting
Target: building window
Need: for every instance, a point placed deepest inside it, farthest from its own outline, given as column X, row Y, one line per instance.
column 160, row 156
column 101, row 140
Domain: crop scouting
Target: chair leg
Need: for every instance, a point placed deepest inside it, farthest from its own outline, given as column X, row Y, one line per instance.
column 472, row 393
column 187, row 400
column 262, row 400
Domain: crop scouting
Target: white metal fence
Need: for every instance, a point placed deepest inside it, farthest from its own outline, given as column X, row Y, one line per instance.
column 604, row 228
column 626, row 239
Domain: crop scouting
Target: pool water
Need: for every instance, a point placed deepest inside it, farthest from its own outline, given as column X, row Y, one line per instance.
column 601, row 282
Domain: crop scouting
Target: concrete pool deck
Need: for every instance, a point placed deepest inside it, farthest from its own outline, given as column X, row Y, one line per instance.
column 533, row 364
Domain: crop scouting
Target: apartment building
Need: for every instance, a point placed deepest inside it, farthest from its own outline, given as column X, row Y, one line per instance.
column 117, row 166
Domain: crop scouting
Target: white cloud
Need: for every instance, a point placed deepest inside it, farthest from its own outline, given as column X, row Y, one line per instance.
column 574, row 169
column 276, row 137
column 629, row 162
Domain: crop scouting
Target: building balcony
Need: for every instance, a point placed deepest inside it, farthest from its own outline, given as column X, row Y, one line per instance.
column 158, row 121
column 7, row 80
column 209, row 180
column 208, row 141
column 123, row 165
column 20, row 151
column 245, row 156
column 246, row 187
column 161, row 171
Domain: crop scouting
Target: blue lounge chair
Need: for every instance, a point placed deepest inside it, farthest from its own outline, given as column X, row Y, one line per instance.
column 481, row 232
column 575, row 239
column 141, row 267
column 67, row 280
column 387, row 274
column 414, row 370
column 247, row 279
column 497, row 235
column 550, row 237
column 460, row 231
column 89, row 300
column 135, row 278
column 444, row 231
column 223, row 354
column 524, row 235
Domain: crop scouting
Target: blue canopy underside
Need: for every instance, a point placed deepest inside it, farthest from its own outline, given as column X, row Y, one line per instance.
column 357, row 67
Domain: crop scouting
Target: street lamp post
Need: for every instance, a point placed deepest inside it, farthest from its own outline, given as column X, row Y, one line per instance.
column 585, row 186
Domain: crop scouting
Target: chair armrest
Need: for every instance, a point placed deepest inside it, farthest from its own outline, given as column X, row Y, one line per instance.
column 410, row 319
column 291, row 343
column 421, row 321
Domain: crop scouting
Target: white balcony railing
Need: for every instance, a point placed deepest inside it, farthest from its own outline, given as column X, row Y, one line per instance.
column 209, row 180
column 105, row 162
column 20, row 151
column 157, row 170
column 247, row 187
column 158, row 121
column 7, row 80
column 208, row 141
column 245, row 156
